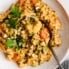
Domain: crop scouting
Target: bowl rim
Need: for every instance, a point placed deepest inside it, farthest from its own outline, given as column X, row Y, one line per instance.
column 67, row 16
column 64, row 11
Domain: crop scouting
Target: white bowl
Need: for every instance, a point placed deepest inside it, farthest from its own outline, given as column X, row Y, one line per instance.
column 60, row 51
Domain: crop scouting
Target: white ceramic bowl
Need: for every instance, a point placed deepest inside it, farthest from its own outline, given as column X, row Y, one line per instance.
column 60, row 51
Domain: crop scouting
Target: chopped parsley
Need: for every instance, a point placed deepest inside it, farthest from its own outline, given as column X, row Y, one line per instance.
column 15, row 43
column 15, row 14
column 11, row 22
column 15, row 11
column 19, row 41
column 10, row 43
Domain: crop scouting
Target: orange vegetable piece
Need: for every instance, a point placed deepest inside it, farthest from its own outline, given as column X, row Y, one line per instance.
column 16, row 57
column 34, row 2
column 21, row 2
column 44, row 33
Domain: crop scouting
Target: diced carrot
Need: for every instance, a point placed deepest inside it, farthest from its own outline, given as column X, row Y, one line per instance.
column 44, row 33
column 21, row 2
column 34, row 2
column 16, row 57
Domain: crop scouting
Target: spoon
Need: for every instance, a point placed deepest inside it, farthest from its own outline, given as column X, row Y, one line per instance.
column 55, row 56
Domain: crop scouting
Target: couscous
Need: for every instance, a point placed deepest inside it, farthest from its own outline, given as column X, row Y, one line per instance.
column 24, row 32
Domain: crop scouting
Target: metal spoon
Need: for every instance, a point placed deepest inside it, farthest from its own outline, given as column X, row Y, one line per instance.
column 49, row 44
column 55, row 56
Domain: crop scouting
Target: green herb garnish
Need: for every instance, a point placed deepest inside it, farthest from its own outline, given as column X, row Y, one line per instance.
column 10, row 43
column 19, row 41
column 15, row 14
column 11, row 22
column 15, row 11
